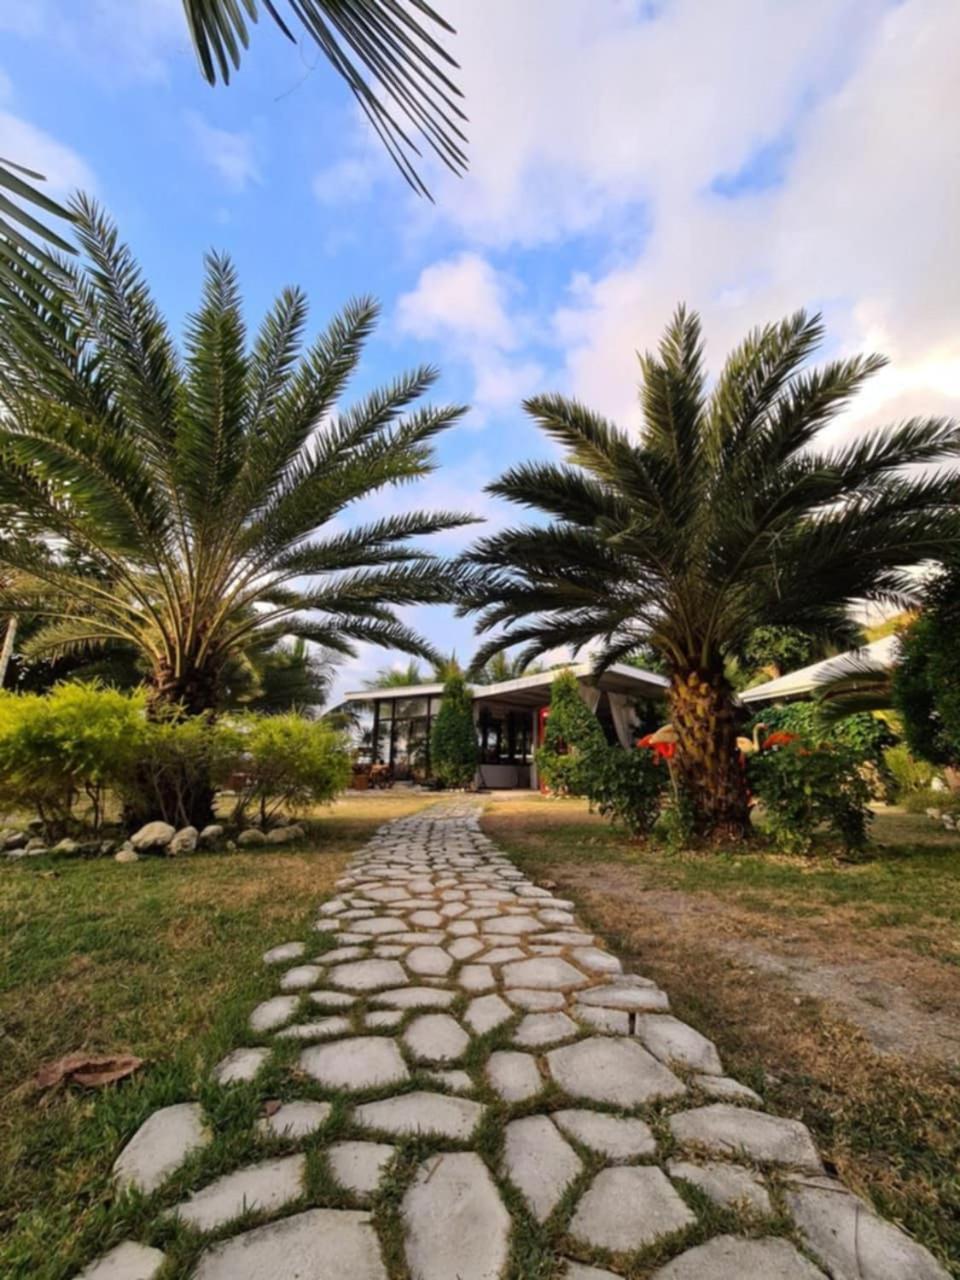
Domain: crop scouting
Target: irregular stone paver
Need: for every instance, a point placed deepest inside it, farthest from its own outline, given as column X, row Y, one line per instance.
column 514, row 1076
column 294, row 1120
column 555, row 974
column 359, row 1166
column 671, row 1040
column 284, row 952
column 339, row 1243
column 435, row 937
column 544, row 1028
column 629, row 1207
column 364, row 1062
column 436, row 1038
column 273, row 1013
column 730, row 1258
column 455, row 1223
column 367, row 975
column 160, row 1146
column 487, row 1012
column 844, row 1233
column 423, row 1112
column 128, row 1261
column 615, row 1071
column 261, row 1187
column 731, row 1130
column 240, row 1065
column 539, row 1163
column 616, row 1138
column 416, row 998
column 725, row 1184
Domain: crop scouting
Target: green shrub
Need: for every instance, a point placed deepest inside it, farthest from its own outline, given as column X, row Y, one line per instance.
column 572, row 732
column 287, row 763
column 177, row 767
column 909, row 774
column 926, row 680
column 625, row 786
column 72, row 744
column 454, row 753
column 804, row 789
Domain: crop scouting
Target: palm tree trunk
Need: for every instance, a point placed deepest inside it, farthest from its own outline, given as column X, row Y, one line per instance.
column 708, row 762
column 6, row 653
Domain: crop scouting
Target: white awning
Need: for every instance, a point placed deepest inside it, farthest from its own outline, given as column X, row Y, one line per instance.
column 796, row 684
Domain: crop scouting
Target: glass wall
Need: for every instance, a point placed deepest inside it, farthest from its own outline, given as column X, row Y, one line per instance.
column 401, row 735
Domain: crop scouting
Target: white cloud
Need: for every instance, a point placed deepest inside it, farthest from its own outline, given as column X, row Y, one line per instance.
column 63, row 168
column 465, row 305
column 232, row 156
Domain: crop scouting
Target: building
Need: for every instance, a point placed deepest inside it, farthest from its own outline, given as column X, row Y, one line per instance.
column 509, row 718
column 880, row 655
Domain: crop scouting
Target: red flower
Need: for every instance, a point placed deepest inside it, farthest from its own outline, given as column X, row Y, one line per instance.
column 779, row 739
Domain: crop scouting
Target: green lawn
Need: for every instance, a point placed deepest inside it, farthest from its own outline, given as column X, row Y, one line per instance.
column 889, row 1123
column 160, row 958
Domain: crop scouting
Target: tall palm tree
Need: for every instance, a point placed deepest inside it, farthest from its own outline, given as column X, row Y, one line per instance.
column 392, row 41
column 186, row 495
column 504, row 666
column 397, row 677
column 725, row 513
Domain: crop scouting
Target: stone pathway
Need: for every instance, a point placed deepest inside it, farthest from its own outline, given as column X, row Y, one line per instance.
column 502, row 1101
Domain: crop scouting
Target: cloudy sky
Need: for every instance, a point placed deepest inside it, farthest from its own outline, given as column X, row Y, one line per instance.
column 747, row 156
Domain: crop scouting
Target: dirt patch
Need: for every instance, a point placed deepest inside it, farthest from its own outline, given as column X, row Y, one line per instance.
column 906, row 1005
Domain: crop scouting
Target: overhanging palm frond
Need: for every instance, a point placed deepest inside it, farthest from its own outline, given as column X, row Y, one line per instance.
column 28, row 268
column 391, row 42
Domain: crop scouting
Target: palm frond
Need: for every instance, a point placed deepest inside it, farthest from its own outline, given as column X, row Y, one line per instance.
column 388, row 41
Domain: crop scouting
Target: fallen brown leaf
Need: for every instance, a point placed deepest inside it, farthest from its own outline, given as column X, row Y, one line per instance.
column 92, row 1071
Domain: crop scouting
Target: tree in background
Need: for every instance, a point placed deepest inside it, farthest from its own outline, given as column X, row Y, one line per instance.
column 926, row 681
column 454, row 752
column 570, row 734
column 723, row 515
column 503, row 667
column 190, row 491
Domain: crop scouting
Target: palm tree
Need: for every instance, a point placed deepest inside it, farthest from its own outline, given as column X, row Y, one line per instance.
column 726, row 513
column 187, row 494
column 397, row 677
column 391, row 40
column 503, row 666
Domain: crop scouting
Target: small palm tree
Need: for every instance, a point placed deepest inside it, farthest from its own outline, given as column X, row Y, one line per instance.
column 504, row 666
column 188, row 498
column 397, row 677
column 725, row 514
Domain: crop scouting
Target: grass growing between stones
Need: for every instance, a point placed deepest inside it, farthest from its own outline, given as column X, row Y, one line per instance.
column 160, row 958
column 711, row 929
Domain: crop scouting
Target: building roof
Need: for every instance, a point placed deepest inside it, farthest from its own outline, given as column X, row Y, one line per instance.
column 880, row 653
column 530, row 690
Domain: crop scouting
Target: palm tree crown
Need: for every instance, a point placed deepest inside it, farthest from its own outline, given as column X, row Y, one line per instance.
column 177, row 502
column 725, row 514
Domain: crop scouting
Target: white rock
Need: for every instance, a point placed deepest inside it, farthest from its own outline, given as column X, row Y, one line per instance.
column 211, row 834
column 251, row 836
column 476, row 977
column 128, row 1261
column 577, row 1271
column 383, row 1018
column 126, row 855
column 240, row 1066
column 544, row 1028
column 615, row 1071
column 730, row 1130
column 367, row 975
column 364, row 1062
column 725, row 1184
column 537, row 1001
column 153, row 835
column 615, row 1022
column 301, row 977
column 294, row 1120
column 553, row 973
column 436, row 1038
column 671, row 1040
column 456, row 1225
column 432, row 962
column 617, row 1139
column 539, row 1163
column 458, row 1081
column 844, row 1233
column 416, row 998
column 284, row 952
column 264, row 1187
column 724, row 1087
column 321, row 1242
column 485, row 1013
column 632, row 999
column 359, row 1166
column 629, row 1207
column 331, row 999
column 596, row 961
column 422, row 1112
column 160, row 1146
column 185, row 841
column 465, row 948
column 730, row 1258
column 273, row 1013
column 514, row 1076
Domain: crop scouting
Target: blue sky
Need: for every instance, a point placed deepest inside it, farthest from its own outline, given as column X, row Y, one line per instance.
column 749, row 157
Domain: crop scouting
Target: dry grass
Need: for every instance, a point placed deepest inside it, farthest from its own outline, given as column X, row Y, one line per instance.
column 699, row 925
